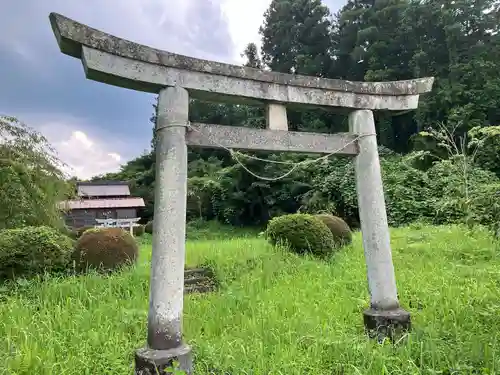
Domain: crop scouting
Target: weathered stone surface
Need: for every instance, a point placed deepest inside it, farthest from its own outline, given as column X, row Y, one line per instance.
column 168, row 254
column 194, row 272
column 235, row 137
column 373, row 215
column 156, row 362
column 200, row 280
column 276, row 116
column 124, row 72
column 124, row 63
column 381, row 324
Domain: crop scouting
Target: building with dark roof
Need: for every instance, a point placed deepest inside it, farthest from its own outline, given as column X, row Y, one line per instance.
column 100, row 200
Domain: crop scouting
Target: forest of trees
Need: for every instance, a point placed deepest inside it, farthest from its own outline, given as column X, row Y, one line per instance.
column 440, row 163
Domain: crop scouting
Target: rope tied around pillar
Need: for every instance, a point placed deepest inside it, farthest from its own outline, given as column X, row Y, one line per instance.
column 236, row 155
column 165, row 125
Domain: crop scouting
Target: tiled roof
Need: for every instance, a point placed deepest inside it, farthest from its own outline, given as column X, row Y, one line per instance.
column 102, row 182
column 102, row 190
column 84, row 204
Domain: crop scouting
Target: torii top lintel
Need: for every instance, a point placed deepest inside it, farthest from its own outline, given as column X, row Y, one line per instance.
column 112, row 60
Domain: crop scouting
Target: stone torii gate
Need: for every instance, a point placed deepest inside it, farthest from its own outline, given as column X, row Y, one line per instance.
column 176, row 78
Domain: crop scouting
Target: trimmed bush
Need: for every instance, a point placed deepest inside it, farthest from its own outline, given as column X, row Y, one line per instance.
column 148, row 228
column 138, row 230
column 342, row 234
column 301, row 233
column 105, row 249
column 29, row 251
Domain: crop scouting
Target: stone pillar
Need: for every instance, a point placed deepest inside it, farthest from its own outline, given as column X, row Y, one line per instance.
column 384, row 317
column 276, row 116
column 169, row 226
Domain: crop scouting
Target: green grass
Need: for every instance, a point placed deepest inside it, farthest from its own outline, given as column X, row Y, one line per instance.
column 275, row 314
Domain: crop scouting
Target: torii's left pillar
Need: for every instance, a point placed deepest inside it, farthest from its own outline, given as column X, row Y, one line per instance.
column 165, row 346
column 103, row 59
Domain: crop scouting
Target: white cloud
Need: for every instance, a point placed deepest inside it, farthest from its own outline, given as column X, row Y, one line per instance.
column 211, row 29
column 244, row 19
column 115, row 156
column 85, row 151
column 82, row 138
column 85, row 155
column 164, row 24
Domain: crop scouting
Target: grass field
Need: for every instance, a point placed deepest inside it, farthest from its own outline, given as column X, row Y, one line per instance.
column 276, row 313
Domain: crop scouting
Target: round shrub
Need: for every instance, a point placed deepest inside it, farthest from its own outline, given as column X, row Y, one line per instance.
column 105, row 249
column 138, row 230
column 301, row 233
column 342, row 234
column 30, row 251
column 149, row 227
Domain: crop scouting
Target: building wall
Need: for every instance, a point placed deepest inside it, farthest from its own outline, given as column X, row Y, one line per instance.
column 126, row 213
column 85, row 218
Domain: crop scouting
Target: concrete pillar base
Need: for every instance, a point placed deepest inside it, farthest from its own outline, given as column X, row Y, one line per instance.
column 391, row 324
column 156, row 362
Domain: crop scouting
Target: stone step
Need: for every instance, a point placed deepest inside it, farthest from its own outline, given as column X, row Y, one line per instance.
column 197, row 280
column 198, row 271
column 189, row 289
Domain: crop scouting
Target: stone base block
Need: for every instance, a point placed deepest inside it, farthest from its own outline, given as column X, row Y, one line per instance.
column 383, row 324
column 159, row 362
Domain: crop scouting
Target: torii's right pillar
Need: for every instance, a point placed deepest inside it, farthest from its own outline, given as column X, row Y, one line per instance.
column 385, row 317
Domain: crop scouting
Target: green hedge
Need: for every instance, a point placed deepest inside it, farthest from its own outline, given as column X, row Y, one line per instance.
column 301, row 233
column 29, row 251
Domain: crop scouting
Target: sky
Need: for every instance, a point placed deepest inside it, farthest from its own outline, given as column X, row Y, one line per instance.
column 94, row 127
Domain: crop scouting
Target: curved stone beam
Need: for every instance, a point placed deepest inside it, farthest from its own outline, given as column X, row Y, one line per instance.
column 123, row 63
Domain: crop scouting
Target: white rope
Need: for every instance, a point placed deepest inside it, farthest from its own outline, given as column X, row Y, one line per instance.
column 172, row 125
column 295, row 165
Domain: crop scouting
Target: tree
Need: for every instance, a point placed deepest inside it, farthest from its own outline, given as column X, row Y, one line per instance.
column 296, row 37
column 31, row 181
column 252, row 55
column 457, row 42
